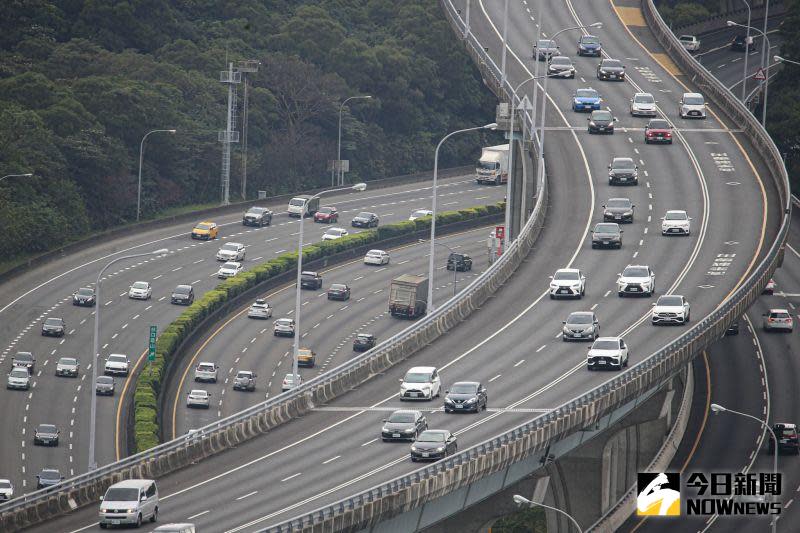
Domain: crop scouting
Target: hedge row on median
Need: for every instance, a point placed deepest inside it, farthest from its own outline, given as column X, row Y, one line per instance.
column 149, row 381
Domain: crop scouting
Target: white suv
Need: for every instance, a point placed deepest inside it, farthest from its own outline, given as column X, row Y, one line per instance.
column 420, row 383
column 636, row 279
column 676, row 222
column 692, row 105
column 117, row 363
column 670, row 309
column 607, row 352
column 567, row 283
column 231, row 251
column 206, row 372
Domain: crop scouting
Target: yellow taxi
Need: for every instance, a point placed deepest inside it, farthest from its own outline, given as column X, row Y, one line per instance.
column 306, row 357
column 205, row 230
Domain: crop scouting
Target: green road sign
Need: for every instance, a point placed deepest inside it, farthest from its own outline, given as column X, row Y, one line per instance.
column 151, row 356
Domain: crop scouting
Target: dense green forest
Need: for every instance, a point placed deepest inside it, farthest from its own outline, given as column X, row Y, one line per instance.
column 81, row 81
column 678, row 13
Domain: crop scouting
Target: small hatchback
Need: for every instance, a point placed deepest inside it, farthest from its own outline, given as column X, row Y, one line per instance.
column 129, row 502
column 581, row 325
column 778, row 320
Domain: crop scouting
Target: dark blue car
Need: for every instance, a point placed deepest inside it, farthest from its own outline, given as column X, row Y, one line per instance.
column 586, row 100
column 589, row 45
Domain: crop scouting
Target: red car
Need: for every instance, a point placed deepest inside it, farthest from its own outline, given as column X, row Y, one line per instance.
column 769, row 288
column 327, row 214
column 658, row 131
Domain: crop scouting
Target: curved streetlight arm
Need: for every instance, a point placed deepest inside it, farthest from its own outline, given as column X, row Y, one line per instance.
column 521, row 500
column 28, row 175
column 779, row 59
column 340, row 174
column 141, row 157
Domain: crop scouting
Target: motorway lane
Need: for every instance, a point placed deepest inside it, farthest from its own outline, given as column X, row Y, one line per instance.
column 125, row 322
column 328, row 327
column 501, row 355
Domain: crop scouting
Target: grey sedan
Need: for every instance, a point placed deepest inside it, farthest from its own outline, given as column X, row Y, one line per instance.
column 580, row 325
column 607, row 235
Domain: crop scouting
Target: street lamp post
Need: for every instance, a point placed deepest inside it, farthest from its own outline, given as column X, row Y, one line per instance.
column 16, row 176
column 96, row 350
column 746, row 51
column 716, row 408
column 141, row 157
column 521, row 500
column 766, row 70
column 491, row 126
column 340, row 174
column 297, row 298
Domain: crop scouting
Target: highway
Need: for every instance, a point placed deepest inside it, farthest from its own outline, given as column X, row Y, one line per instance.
column 46, row 292
column 513, row 343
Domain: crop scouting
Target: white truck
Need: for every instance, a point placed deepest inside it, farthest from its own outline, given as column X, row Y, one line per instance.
column 493, row 165
column 303, row 206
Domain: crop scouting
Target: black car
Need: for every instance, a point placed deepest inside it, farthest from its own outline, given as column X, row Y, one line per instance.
column 365, row 219
column 786, row 434
column 257, row 216
column 433, row 444
column 733, row 329
column 46, row 435
column 310, row 280
column 738, row 44
column 618, row 210
column 84, row 297
column 338, row 291
column 459, row 262
column 364, row 342
column 54, row 327
column 465, row 396
column 601, row 121
column 182, row 295
column 25, row 360
column 611, row 69
column 607, row 235
column 48, row 477
column 403, row 425
column 104, row 386
column 623, row 171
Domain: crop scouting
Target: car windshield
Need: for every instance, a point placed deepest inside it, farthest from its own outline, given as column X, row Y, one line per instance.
column 586, row 93
column 605, row 345
column 203, row 226
column 546, row 43
column 121, row 495
column 693, row 100
column 417, row 377
column 231, row 247
column 601, row 115
column 5, row 484
column 644, row 99
column 635, row 272
column 232, row 265
column 297, row 202
column 50, row 475
column 325, row 210
column 19, row 373
column 206, row 367
column 606, row 228
column 140, row 285
column 675, row 215
column 611, row 63
column 374, row 253
column 308, row 274
column 618, row 203
column 780, row 314
column 590, row 39
column 53, row 322
column 338, row 287
column 464, row 388
column 658, row 125
column 105, row 380
column 364, row 215
column 85, row 292
column 687, row 37
column 284, row 322
column 289, row 378
column 23, row 356
column 199, row 393
column 430, row 436
column 784, row 432
column 569, row 276
column 579, row 318
column 560, row 60
column 402, row 418
column 243, row 374
column 47, row 428
column 670, row 301
column 256, row 211
column 420, row 213
column 337, row 231
column 117, row 358
column 67, row 361
column 622, row 162
column 364, row 337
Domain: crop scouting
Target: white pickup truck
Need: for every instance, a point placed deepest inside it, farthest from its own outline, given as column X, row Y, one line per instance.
column 690, row 43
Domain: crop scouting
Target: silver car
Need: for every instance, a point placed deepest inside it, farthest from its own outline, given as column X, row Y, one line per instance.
column 643, row 105
column 19, row 378
column 104, row 386
column 692, row 105
column 778, row 320
column 284, row 327
column 199, row 398
column 67, row 366
column 260, row 309
column 580, row 325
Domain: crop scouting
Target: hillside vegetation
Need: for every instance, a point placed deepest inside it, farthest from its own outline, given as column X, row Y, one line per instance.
column 81, row 81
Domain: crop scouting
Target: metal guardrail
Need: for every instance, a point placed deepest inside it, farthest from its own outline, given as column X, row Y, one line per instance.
column 88, row 487
column 412, row 490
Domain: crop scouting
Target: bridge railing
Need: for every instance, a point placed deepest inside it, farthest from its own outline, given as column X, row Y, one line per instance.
column 412, row 490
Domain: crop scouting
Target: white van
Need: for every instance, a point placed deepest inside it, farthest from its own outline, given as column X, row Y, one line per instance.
column 129, row 502
column 175, row 528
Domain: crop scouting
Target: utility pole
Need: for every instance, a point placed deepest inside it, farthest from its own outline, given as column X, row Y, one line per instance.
column 230, row 77
column 250, row 65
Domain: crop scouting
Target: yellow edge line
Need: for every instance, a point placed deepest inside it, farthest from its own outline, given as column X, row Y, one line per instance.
column 121, row 402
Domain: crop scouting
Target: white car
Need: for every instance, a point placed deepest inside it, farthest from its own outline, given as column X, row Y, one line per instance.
column 141, row 290
column 19, row 378
column 567, row 283
column 67, row 366
column 420, row 213
column 420, row 383
column 206, row 372
column 288, row 382
column 670, row 309
column 636, row 279
column 229, row 269
column 199, row 398
column 692, row 105
column 284, row 327
column 334, row 233
column 6, row 490
column 778, row 319
column 607, row 352
column 643, row 105
column 675, row 222
column 116, row 363
column 376, row 257
column 231, row 251
column 260, row 309
column 690, row 43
